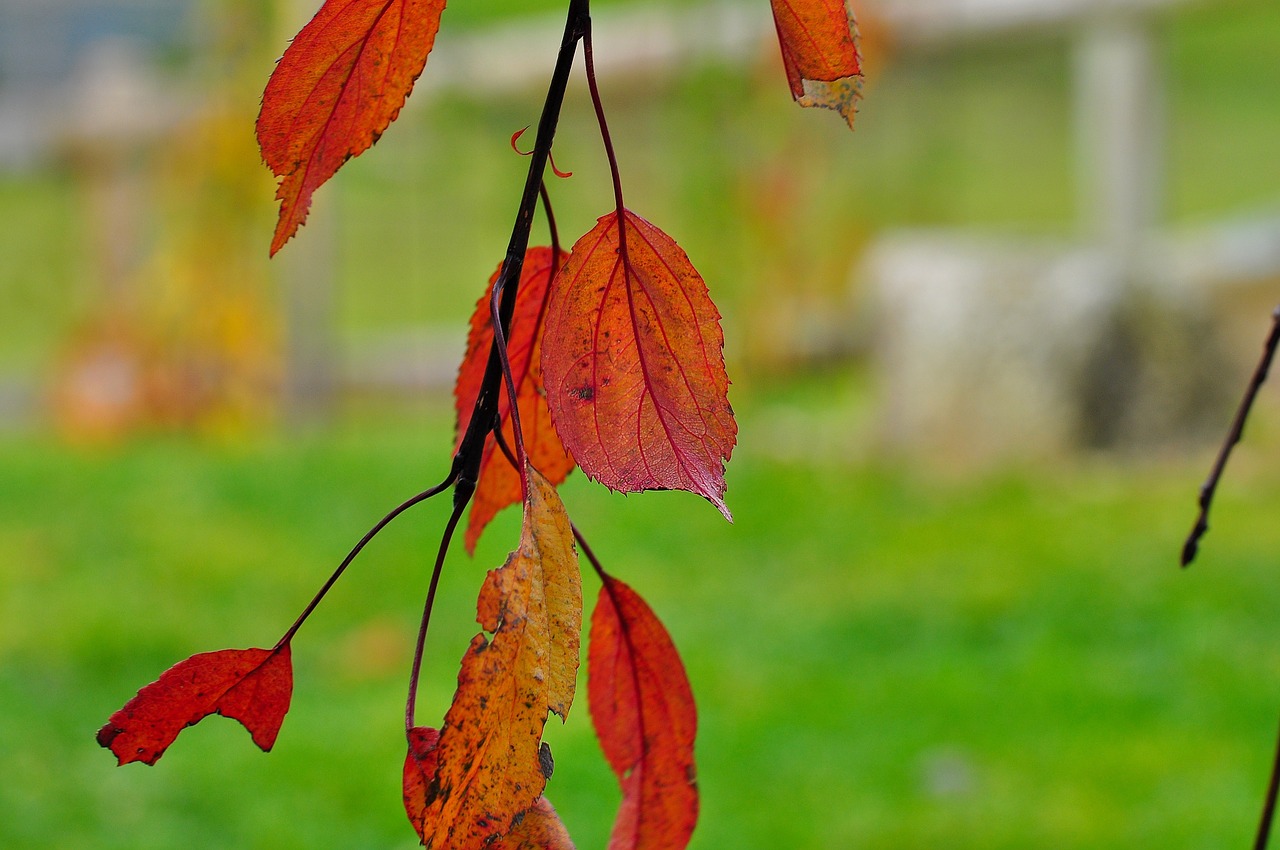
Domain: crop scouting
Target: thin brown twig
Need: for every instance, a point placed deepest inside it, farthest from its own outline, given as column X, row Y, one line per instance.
column 1210, row 486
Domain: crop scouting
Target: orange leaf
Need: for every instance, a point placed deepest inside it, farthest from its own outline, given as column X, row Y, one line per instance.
column 253, row 686
column 340, row 83
column 642, row 708
column 539, row 829
column 819, row 40
column 633, row 363
column 491, row 768
column 499, row 483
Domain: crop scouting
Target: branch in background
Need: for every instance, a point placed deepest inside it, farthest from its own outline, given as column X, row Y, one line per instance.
column 1269, row 807
column 1210, row 486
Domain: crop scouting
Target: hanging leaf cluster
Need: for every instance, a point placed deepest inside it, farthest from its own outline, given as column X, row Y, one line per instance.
column 607, row 357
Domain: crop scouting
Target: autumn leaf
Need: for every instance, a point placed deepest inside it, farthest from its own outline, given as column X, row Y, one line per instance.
column 340, row 83
column 643, row 711
column 819, row 41
column 491, row 768
column 539, row 829
column 499, row 481
column 419, row 772
column 253, row 686
column 633, row 362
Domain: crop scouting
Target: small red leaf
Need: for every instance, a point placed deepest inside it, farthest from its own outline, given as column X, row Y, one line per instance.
column 819, row 41
column 420, row 765
column 253, row 686
column 499, row 482
column 643, row 712
column 340, row 83
column 633, row 363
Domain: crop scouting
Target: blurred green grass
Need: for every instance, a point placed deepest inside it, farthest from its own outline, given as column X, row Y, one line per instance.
column 881, row 658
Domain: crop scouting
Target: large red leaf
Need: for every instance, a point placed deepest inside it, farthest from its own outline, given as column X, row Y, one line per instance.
column 643, row 711
column 253, row 686
column 539, row 828
column 819, row 41
column 490, row 767
column 633, row 362
column 342, row 80
column 499, row 484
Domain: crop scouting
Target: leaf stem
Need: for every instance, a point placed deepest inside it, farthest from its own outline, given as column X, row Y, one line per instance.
column 513, row 400
column 551, row 227
column 1210, row 486
column 607, row 139
column 415, row 671
column 355, row 550
column 591, row 556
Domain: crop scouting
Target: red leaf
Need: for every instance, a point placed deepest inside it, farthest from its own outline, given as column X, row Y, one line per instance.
column 633, row 363
column 253, row 686
column 499, row 482
column 819, row 40
column 642, row 708
column 340, row 83
column 420, row 765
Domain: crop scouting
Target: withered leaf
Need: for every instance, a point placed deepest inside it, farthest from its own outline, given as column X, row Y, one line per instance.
column 489, row 769
column 819, row 40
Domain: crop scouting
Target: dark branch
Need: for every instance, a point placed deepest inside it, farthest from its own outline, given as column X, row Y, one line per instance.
column 1210, row 486
column 484, row 416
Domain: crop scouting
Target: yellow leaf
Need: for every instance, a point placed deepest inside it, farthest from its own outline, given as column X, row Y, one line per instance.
column 490, row 771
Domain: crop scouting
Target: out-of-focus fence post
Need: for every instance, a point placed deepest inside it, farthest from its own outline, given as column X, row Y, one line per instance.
column 1119, row 129
column 309, row 287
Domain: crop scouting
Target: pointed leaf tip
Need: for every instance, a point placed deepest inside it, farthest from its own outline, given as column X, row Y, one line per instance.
column 633, row 364
column 253, row 686
column 339, row 85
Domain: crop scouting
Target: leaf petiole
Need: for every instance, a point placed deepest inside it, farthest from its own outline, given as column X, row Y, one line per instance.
column 355, row 550
column 607, row 139
column 420, row 645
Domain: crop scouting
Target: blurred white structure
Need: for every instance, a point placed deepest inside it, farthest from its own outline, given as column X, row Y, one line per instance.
column 995, row 347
